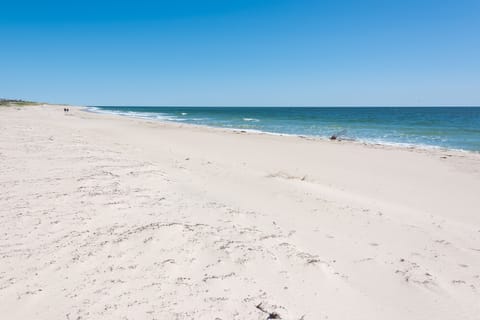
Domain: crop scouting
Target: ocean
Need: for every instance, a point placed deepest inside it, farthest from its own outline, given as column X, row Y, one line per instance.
column 437, row 127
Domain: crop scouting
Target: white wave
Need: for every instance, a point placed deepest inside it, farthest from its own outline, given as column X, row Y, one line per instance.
column 251, row 119
column 134, row 114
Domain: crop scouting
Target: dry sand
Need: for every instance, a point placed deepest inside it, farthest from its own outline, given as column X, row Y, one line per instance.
column 104, row 217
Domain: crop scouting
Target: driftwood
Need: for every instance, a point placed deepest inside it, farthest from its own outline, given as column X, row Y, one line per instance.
column 271, row 315
column 337, row 135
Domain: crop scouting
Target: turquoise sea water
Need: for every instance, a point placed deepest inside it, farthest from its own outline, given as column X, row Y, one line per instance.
column 444, row 127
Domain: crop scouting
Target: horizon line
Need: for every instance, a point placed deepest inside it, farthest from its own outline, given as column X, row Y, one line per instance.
column 287, row 106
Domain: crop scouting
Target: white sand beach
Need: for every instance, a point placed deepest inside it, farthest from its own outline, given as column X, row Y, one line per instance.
column 109, row 217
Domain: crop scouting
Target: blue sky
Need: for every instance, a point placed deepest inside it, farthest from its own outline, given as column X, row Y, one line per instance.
column 232, row 52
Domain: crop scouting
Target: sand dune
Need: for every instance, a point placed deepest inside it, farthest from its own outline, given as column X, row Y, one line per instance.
column 119, row 218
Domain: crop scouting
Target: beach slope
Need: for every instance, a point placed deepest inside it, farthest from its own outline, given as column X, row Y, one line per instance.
column 111, row 217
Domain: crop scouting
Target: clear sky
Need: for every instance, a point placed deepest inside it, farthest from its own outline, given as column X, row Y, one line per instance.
column 241, row 52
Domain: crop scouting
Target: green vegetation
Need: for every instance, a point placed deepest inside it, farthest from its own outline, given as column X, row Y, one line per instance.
column 16, row 103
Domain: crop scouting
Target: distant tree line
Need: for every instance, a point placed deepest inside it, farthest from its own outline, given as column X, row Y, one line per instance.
column 17, row 102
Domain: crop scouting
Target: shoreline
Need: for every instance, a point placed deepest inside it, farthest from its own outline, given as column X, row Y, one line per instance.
column 399, row 145
column 106, row 216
